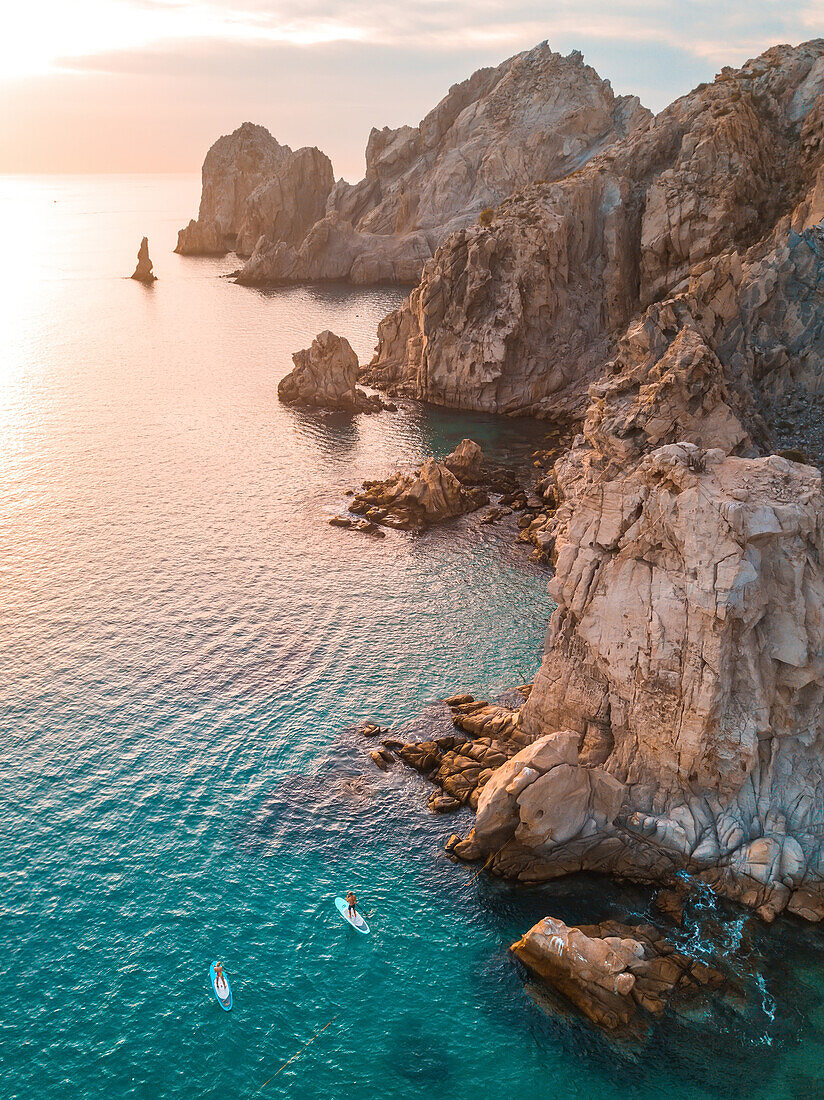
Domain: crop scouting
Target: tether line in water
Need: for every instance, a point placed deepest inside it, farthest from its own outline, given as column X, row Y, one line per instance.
column 299, row 1052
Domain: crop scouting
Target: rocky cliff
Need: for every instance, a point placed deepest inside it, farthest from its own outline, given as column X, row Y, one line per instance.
column 707, row 217
column 537, row 116
column 666, row 299
column 683, row 671
column 252, row 186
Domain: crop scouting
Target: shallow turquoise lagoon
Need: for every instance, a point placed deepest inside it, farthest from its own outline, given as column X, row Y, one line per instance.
column 187, row 646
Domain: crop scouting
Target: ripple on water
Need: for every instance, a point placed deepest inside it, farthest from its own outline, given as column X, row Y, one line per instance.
column 186, row 643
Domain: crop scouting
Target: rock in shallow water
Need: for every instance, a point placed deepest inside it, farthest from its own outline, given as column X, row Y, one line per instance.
column 325, row 376
column 437, row 492
column 618, row 976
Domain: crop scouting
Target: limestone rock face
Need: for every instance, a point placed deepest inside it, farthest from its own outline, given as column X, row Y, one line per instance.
column 710, row 213
column 143, row 272
column 619, row 976
column 324, row 377
column 538, row 116
column 252, row 186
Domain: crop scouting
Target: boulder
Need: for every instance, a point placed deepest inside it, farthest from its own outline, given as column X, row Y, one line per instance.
column 324, row 377
column 466, row 461
column 430, row 495
column 620, row 977
column 544, row 797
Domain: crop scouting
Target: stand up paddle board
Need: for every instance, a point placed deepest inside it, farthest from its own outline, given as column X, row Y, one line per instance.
column 223, row 992
column 359, row 924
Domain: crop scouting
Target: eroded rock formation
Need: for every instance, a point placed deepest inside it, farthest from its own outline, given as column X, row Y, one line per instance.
column 253, row 185
column 707, row 218
column 667, row 299
column 537, row 116
column 683, row 671
column 619, row 976
column 432, row 494
column 325, row 376
column 143, row 272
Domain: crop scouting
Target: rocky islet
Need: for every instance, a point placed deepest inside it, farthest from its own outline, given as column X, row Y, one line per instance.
column 325, row 376
column 144, row 272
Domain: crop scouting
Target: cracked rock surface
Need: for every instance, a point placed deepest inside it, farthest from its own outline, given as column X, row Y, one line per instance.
column 536, row 116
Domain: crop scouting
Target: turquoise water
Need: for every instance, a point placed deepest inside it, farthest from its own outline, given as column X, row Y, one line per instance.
column 187, row 646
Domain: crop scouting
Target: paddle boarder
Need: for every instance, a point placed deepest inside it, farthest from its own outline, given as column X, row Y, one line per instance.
column 352, row 901
column 220, row 978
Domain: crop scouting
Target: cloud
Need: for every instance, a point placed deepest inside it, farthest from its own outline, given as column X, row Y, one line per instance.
column 325, row 71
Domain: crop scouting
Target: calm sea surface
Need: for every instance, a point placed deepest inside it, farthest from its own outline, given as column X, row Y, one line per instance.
column 185, row 646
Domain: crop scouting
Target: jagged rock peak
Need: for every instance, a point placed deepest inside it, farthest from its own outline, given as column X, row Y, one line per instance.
column 253, row 185
column 537, row 116
column 143, row 272
column 520, row 314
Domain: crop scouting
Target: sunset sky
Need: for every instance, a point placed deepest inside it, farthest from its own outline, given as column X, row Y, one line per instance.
column 147, row 85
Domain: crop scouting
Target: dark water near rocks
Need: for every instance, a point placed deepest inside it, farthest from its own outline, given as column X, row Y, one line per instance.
column 186, row 645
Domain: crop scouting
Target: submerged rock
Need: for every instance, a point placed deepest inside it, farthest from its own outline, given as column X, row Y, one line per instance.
column 619, row 976
column 324, row 377
column 143, row 271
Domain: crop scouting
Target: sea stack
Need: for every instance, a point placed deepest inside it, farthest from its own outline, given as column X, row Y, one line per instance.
column 143, row 271
column 324, row 377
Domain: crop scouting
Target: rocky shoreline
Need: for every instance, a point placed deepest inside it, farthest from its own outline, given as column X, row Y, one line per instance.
column 657, row 290
column 681, row 683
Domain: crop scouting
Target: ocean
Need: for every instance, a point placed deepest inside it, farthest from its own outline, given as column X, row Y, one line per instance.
column 187, row 649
